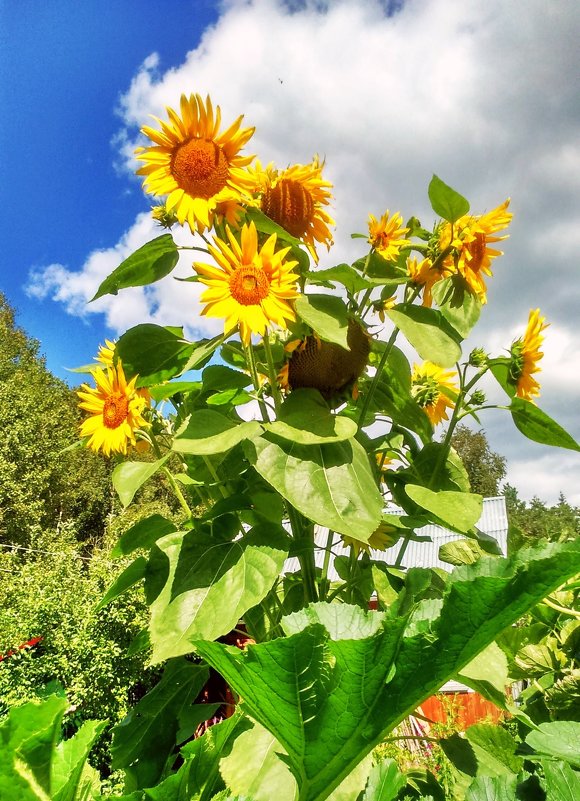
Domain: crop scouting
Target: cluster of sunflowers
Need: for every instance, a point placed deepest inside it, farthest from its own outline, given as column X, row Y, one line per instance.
column 260, row 272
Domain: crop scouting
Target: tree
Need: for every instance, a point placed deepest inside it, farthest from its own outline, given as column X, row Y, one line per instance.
column 485, row 468
column 536, row 520
column 40, row 485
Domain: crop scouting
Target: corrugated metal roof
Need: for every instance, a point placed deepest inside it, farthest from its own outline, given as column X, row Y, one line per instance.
column 493, row 521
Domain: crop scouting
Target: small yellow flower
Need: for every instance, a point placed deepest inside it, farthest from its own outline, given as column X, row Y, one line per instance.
column 250, row 287
column 116, row 410
column 434, row 390
column 424, row 274
column 195, row 165
column 526, row 354
column 295, row 199
column 471, row 238
column 387, row 235
column 106, row 353
column 385, row 536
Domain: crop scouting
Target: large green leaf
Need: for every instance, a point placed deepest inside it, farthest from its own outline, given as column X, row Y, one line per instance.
column 559, row 739
column 153, row 353
column 210, row 584
column 143, row 534
column 428, row 332
column 343, row 274
column 330, row 701
column 445, row 201
column 70, row 761
column 146, row 265
column 492, row 788
column 495, row 750
column 488, row 674
column 207, row 432
column 458, row 304
column 385, row 781
column 539, row 427
column 327, row 315
column 132, row 574
column 128, row 477
column 305, row 418
column 458, row 510
column 562, row 783
column 330, row 484
column 145, row 739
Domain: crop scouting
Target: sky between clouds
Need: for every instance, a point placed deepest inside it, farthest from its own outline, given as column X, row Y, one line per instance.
column 486, row 95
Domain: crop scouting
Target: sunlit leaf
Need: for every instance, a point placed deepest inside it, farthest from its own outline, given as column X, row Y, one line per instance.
column 445, row 201
column 148, row 264
column 327, row 315
column 428, row 332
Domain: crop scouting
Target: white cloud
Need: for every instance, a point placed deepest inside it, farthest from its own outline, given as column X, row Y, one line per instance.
column 482, row 94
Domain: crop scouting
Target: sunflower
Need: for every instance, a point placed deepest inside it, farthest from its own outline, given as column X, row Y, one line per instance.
column 471, row 238
column 250, row 288
column 294, row 198
column 526, row 354
column 387, row 235
column 385, row 536
column 195, row 165
column 106, row 353
column 116, row 407
column 434, row 390
column 424, row 274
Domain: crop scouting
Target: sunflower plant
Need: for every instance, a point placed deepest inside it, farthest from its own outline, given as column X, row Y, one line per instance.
column 313, row 433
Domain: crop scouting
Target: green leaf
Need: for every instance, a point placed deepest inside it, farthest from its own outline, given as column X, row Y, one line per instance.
column 458, row 510
column 495, row 750
column 327, row 315
column 343, row 274
column 143, row 534
column 130, row 576
column 559, row 739
column 562, row 783
column 254, row 770
column 460, row 552
column 501, row 370
column 146, row 265
column 146, row 737
column 305, row 418
column 329, row 702
column 210, row 584
column 128, row 477
column 207, row 432
column 154, row 353
column 488, row 674
column 458, row 305
column 445, row 201
column 492, row 788
column 331, row 484
column 202, row 351
column 539, row 427
column 385, row 782
column 218, row 377
column 340, row 621
column 267, row 226
column 428, row 332
column 161, row 392
column 70, row 760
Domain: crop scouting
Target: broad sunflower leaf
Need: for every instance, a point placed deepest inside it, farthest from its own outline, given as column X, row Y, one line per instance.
column 143, row 534
column 69, row 762
column 146, row 737
column 154, row 353
column 329, row 702
column 206, row 432
column 210, row 584
column 385, row 781
column 460, row 307
column 445, row 201
column 428, row 332
column 492, row 788
column 495, row 750
column 559, row 739
column 130, row 576
column 330, row 484
column 562, row 783
column 128, row 477
column 148, row 264
column 218, row 377
column 459, row 510
column 305, row 418
column 327, row 315
column 343, row 274
column 539, row 427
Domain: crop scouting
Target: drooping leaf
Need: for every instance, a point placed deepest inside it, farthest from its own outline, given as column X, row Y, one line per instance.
column 331, row 484
column 460, row 552
column 327, row 315
column 143, row 534
column 539, row 427
column 428, row 332
column 148, row 264
column 128, row 477
column 460, row 306
column 130, row 576
column 145, row 738
column 458, row 510
column 207, row 432
column 305, row 418
column 210, row 584
column 445, row 201
column 153, row 353
column 330, row 701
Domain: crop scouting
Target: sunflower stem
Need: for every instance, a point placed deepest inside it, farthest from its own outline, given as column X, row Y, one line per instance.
column 272, row 375
column 324, row 583
column 216, row 478
column 376, row 377
column 305, row 554
column 178, row 493
column 251, row 360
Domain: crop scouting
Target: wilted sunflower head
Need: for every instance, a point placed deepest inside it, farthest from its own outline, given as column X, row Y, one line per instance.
column 326, row 366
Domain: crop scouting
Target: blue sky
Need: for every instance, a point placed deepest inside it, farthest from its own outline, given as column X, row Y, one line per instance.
column 483, row 94
column 63, row 67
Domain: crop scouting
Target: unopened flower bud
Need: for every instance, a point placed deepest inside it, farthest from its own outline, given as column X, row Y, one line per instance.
column 477, row 398
column 165, row 218
column 478, row 357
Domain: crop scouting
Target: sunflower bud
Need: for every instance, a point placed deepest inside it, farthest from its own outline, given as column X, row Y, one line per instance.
column 477, row 398
column 163, row 217
column 478, row 358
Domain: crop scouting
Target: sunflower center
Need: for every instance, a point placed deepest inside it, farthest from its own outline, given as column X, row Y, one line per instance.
column 200, row 167
column 290, row 205
column 477, row 250
column 115, row 410
column 426, row 391
column 249, row 285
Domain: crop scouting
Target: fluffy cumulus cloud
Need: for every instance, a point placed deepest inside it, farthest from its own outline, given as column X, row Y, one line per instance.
column 388, row 93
